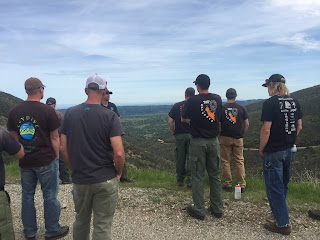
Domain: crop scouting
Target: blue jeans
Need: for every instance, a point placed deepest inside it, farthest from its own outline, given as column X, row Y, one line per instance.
column 48, row 177
column 277, row 171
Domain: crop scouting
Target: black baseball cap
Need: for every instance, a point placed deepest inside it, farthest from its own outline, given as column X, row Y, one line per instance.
column 108, row 92
column 231, row 93
column 203, row 81
column 51, row 101
column 274, row 78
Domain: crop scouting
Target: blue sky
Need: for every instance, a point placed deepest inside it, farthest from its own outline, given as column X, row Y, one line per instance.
column 151, row 51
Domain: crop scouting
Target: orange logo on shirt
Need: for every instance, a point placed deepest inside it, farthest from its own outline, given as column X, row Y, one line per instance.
column 210, row 114
column 232, row 118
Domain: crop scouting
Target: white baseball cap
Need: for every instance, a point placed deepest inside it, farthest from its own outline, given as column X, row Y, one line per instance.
column 98, row 80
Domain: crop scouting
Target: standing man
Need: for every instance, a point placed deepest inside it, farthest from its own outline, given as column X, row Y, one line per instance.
column 234, row 124
column 281, row 116
column 181, row 132
column 36, row 125
column 63, row 169
column 97, row 164
column 106, row 103
column 204, row 111
column 12, row 147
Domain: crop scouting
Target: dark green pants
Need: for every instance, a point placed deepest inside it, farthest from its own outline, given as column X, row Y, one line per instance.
column 182, row 163
column 6, row 225
column 205, row 155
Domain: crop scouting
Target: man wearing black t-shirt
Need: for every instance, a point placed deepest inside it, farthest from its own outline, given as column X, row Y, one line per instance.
column 203, row 111
column 106, row 103
column 281, row 116
column 12, row 147
column 181, row 131
column 234, row 124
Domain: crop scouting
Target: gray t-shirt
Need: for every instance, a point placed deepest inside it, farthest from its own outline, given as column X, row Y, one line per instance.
column 88, row 128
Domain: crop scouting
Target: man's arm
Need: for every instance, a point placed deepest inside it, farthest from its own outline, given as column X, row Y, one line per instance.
column 264, row 135
column 299, row 127
column 64, row 150
column 54, row 138
column 245, row 126
column 171, row 124
column 118, row 154
column 20, row 154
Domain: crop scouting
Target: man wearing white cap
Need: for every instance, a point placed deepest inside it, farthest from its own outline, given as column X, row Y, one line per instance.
column 91, row 145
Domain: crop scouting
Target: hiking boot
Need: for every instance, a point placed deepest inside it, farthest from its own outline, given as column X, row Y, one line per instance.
column 128, row 180
column 180, row 184
column 272, row 227
column 315, row 214
column 66, row 182
column 217, row 215
column 189, row 187
column 63, row 232
column 227, row 189
column 193, row 214
column 243, row 190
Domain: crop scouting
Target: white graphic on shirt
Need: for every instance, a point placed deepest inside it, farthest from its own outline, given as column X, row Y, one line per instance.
column 288, row 108
column 231, row 114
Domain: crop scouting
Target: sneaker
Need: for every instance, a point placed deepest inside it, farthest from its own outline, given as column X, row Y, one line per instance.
column 128, row 180
column 217, row 215
column 63, row 232
column 315, row 214
column 193, row 214
column 272, row 227
column 227, row 189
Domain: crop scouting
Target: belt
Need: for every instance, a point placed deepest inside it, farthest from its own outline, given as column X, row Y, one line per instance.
column 1, row 188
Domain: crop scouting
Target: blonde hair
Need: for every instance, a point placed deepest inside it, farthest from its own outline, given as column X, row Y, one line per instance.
column 278, row 88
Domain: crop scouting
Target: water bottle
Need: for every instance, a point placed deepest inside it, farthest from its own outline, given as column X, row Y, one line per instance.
column 294, row 149
column 237, row 192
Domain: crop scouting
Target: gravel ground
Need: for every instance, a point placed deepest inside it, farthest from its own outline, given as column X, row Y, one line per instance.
column 160, row 214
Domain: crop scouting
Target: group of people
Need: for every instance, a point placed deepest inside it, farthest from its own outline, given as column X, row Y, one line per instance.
column 89, row 140
column 208, row 132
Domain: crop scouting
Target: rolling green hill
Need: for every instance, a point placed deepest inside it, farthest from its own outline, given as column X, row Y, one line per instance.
column 7, row 101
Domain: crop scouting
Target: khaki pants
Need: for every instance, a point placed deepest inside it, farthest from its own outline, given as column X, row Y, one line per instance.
column 232, row 146
column 101, row 199
column 6, row 225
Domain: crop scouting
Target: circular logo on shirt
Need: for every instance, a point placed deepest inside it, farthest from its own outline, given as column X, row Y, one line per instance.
column 27, row 130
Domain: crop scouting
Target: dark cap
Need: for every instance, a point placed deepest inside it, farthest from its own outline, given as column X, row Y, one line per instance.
column 274, row 78
column 33, row 83
column 51, row 101
column 203, row 81
column 108, row 92
column 190, row 92
column 231, row 93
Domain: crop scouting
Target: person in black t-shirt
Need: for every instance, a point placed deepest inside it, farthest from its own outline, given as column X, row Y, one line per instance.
column 281, row 116
column 234, row 124
column 203, row 111
column 181, row 131
column 12, row 147
column 106, row 103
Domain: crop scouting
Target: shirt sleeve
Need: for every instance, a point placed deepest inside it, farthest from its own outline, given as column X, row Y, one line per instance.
column 171, row 113
column 10, row 145
column 266, row 114
column 299, row 113
column 63, row 129
column 116, row 110
column 245, row 113
column 10, row 122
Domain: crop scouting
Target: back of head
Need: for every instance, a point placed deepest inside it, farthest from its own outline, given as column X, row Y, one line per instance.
column 203, row 81
column 96, row 83
column 278, row 86
column 51, row 101
column 32, row 85
column 190, row 92
column 231, row 93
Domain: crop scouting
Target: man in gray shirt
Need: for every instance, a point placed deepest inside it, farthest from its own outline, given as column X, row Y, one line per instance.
column 91, row 145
